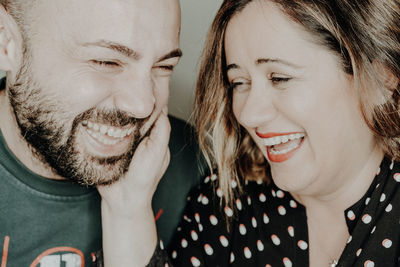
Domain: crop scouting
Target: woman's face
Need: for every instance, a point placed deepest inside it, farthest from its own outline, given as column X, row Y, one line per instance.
column 296, row 102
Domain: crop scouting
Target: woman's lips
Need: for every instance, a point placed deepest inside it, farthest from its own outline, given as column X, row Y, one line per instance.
column 281, row 146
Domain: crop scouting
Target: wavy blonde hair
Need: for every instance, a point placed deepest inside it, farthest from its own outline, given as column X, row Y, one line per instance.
column 365, row 37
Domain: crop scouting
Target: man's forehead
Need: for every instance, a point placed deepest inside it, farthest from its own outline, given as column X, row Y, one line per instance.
column 132, row 23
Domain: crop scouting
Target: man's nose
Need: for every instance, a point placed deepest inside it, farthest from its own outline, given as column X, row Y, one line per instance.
column 135, row 96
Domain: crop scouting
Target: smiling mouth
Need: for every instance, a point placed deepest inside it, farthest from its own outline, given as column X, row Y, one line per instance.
column 106, row 134
column 282, row 146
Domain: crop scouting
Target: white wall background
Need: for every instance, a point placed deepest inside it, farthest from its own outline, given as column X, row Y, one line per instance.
column 197, row 16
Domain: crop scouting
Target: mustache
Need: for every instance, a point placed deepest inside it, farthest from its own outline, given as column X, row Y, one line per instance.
column 112, row 117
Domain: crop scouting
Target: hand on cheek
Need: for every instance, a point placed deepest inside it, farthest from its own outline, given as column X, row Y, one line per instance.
column 135, row 190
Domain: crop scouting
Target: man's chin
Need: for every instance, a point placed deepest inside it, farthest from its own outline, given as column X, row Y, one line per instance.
column 94, row 171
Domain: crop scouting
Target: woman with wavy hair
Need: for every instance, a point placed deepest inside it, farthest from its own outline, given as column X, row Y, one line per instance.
column 297, row 111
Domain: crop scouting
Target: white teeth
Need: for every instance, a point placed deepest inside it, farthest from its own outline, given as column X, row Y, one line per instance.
column 110, row 132
column 286, row 150
column 101, row 131
column 281, row 139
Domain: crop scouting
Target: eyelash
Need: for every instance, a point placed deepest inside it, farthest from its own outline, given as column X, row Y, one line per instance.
column 166, row 67
column 276, row 80
column 105, row 63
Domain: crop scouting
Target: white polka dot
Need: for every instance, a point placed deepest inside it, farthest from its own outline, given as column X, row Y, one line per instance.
column 262, row 197
column 265, row 218
column 387, row 243
column 275, row 239
column 383, row 197
column 293, row 204
column 378, row 171
column 287, row 262
column 197, row 217
column 242, row 229
column 200, row 227
column 186, row 218
column 224, row 241
column 281, row 210
column 366, row 219
column 199, row 198
column 179, row 229
column 260, row 245
column 213, row 177
column 232, row 259
column 247, row 253
column 396, row 177
column 254, row 222
column 207, row 179
column 268, row 265
column 349, row 240
column 391, row 165
column 228, row 211
column 369, row 263
column 219, row 192
column 194, row 235
column 291, row 231
column 358, row 252
column 302, row 244
column 259, row 181
column 373, row 230
column 213, row 220
column 377, row 185
column 389, row 208
column 174, row 254
column 367, row 200
column 273, row 193
column 239, row 204
column 195, row 261
column 204, row 200
column 351, row 215
column 280, row 194
column 234, row 184
column 166, row 264
column 184, row 243
column 249, row 200
column 161, row 245
column 208, row 249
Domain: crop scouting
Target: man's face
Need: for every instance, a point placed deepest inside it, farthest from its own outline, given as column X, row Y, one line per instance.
column 95, row 77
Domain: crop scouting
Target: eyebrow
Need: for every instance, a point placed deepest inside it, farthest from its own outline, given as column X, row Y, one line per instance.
column 122, row 49
column 174, row 53
column 128, row 52
column 278, row 61
column 265, row 61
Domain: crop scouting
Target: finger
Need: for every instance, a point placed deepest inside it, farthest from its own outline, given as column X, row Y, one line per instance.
column 160, row 133
column 165, row 164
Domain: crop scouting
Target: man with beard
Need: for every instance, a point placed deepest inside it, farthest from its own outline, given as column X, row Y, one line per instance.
column 87, row 85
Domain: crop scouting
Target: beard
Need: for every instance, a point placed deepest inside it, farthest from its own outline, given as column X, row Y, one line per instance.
column 45, row 125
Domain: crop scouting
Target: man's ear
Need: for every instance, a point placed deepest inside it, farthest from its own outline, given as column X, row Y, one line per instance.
column 10, row 42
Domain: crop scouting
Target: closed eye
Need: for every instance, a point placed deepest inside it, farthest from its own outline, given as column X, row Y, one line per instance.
column 279, row 79
column 166, row 67
column 105, row 63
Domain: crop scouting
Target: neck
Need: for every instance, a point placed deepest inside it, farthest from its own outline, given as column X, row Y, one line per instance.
column 17, row 144
column 345, row 188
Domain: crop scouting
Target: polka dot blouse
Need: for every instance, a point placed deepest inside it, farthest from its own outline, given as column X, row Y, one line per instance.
column 269, row 228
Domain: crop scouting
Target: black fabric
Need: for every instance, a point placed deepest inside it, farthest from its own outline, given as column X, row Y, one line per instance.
column 184, row 172
column 269, row 228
